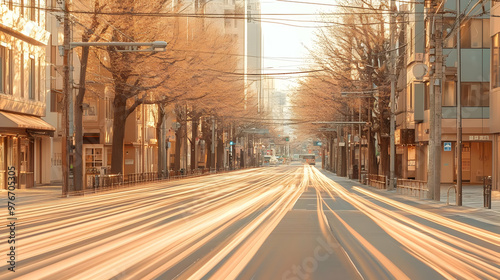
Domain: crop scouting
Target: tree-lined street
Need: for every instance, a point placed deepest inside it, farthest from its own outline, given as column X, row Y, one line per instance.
column 288, row 222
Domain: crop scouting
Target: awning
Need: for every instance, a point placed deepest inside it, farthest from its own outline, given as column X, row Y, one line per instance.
column 13, row 120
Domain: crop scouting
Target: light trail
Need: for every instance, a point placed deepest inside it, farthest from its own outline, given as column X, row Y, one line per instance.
column 142, row 233
column 452, row 257
column 212, row 227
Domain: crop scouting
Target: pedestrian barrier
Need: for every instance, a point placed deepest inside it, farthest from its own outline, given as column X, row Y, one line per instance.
column 412, row 187
column 377, row 181
column 112, row 181
column 448, row 194
column 105, row 182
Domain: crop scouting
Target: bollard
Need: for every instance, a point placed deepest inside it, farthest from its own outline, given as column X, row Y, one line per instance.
column 487, row 184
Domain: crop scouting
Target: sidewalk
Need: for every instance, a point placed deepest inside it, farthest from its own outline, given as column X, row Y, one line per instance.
column 472, row 196
column 34, row 195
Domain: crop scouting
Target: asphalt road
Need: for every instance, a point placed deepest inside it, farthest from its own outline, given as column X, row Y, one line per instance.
column 287, row 222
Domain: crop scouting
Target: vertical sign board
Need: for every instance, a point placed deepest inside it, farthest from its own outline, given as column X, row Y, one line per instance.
column 447, row 146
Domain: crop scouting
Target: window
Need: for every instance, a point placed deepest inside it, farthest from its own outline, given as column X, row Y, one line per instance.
column 31, row 10
column 486, row 33
column 31, row 81
column 427, row 101
column 39, row 79
column 91, row 109
column 3, row 58
column 473, row 36
column 450, row 40
column 475, row 95
column 55, row 101
column 109, row 108
column 22, row 74
column 495, row 61
column 449, row 94
column 6, row 70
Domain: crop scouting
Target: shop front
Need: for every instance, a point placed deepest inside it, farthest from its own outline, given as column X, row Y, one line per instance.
column 477, row 159
column 20, row 147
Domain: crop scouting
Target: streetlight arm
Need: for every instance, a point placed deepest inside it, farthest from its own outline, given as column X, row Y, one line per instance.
column 156, row 46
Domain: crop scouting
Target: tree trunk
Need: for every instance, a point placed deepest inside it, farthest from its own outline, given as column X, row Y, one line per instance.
column 207, row 136
column 78, row 157
column 160, row 137
column 220, row 147
column 177, row 158
column 119, row 119
column 194, row 136
column 384, row 155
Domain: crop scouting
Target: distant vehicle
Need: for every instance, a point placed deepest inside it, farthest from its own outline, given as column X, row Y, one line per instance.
column 266, row 161
column 309, row 159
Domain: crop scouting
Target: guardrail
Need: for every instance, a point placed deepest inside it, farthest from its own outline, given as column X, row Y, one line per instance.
column 377, row 181
column 412, row 187
column 112, row 181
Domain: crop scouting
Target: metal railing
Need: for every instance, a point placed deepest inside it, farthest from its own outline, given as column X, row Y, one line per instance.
column 106, row 182
column 377, row 181
column 135, row 178
column 412, row 187
column 113, row 181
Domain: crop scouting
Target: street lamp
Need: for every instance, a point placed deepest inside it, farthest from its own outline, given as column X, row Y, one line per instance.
column 65, row 50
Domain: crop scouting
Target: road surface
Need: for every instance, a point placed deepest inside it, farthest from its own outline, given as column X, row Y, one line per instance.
column 287, row 222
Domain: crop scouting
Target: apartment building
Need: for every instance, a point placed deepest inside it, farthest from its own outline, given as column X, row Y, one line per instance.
column 414, row 102
column 24, row 136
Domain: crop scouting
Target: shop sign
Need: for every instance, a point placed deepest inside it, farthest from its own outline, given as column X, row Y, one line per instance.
column 479, row 137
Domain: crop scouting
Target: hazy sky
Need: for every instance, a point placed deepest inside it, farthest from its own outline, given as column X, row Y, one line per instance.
column 284, row 45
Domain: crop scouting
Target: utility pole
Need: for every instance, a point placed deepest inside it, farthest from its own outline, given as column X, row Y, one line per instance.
column 435, row 88
column 459, row 111
column 212, row 157
column 65, row 146
column 393, row 95
column 359, row 139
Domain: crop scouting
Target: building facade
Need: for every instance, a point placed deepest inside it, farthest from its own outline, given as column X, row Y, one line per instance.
column 24, row 136
column 495, row 90
column 414, row 101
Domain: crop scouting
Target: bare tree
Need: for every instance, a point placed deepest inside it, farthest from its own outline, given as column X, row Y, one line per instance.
column 353, row 53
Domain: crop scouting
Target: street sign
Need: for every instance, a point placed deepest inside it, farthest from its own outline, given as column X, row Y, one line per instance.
column 317, row 143
column 447, row 146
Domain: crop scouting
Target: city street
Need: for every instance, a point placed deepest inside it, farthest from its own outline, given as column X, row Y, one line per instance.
column 285, row 222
